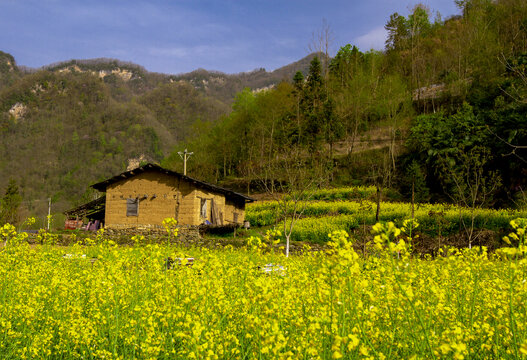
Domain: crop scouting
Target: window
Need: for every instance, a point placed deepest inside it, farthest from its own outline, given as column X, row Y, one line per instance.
column 203, row 207
column 132, row 206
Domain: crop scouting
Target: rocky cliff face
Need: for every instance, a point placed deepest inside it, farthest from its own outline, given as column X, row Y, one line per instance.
column 18, row 111
column 9, row 71
column 124, row 74
column 7, row 63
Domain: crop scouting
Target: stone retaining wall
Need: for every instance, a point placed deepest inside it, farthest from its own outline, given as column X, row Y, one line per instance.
column 187, row 234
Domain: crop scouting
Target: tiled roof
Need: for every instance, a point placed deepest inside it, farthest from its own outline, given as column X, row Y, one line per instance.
column 101, row 186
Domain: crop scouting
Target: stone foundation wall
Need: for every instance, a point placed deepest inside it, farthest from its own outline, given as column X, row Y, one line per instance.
column 186, row 234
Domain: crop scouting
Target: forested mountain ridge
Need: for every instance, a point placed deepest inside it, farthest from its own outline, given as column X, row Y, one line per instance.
column 226, row 86
column 137, row 80
column 72, row 123
column 62, row 131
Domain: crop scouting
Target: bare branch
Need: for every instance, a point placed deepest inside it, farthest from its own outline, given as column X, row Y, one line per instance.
column 514, row 147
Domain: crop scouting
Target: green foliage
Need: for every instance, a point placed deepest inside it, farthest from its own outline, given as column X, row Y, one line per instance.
column 413, row 179
column 439, row 135
column 177, row 106
column 74, row 130
column 345, row 64
column 468, row 181
column 397, row 29
column 439, row 140
column 339, row 214
column 10, row 204
column 298, row 80
column 418, row 21
column 9, row 71
column 449, row 86
column 312, row 104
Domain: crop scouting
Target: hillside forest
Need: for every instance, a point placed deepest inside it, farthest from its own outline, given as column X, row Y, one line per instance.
column 442, row 111
column 439, row 115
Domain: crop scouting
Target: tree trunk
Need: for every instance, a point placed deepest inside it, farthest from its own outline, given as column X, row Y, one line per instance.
column 224, row 165
column 413, row 199
column 378, row 203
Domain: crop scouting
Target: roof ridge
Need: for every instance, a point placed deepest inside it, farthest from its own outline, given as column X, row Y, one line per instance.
column 101, row 186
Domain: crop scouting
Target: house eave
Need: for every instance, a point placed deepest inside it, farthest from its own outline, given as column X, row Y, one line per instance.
column 103, row 185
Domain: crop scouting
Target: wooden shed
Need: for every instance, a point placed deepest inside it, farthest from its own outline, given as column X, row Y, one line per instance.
column 145, row 196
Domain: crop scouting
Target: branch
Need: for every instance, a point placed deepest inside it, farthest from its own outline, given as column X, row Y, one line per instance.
column 518, row 73
column 514, row 147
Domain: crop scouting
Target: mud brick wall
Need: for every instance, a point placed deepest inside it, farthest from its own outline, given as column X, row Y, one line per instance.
column 163, row 196
column 235, row 212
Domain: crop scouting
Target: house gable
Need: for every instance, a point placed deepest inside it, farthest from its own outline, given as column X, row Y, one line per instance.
column 145, row 196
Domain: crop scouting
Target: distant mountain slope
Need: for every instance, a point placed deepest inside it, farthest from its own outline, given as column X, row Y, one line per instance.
column 61, row 131
column 72, row 123
column 9, row 72
column 225, row 86
column 128, row 79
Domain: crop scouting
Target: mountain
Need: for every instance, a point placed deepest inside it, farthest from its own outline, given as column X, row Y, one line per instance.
column 136, row 80
column 224, row 86
column 9, row 72
column 70, row 124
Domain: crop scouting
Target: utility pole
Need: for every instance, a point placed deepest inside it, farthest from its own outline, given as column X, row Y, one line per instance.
column 49, row 211
column 185, row 155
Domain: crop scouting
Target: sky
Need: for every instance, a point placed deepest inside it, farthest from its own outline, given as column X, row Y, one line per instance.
column 175, row 36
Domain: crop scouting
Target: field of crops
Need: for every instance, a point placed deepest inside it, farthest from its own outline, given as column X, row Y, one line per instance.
column 349, row 193
column 321, row 216
column 101, row 301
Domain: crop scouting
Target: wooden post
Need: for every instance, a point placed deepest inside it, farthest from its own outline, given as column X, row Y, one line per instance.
column 49, row 211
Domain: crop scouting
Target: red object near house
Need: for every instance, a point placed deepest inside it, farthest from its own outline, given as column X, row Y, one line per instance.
column 72, row 224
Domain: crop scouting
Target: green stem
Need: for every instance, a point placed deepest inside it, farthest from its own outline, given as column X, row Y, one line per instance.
column 425, row 332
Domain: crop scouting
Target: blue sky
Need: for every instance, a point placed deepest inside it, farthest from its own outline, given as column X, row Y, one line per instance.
column 180, row 36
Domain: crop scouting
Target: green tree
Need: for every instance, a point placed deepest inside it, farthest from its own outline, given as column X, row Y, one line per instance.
column 10, row 204
column 418, row 26
column 437, row 136
column 393, row 104
column 397, row 29
column 298, row 83
column 413, row 184
column 345, row 65
column 312, row 106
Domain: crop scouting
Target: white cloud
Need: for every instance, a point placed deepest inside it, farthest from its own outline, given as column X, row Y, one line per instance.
column 373, row 39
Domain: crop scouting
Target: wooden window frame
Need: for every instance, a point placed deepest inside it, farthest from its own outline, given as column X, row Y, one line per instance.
column 130, row 211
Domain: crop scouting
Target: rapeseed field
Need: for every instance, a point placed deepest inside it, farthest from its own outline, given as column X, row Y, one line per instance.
column 97, row 300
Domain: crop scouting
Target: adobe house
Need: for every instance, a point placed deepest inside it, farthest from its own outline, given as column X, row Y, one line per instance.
column 145, row 196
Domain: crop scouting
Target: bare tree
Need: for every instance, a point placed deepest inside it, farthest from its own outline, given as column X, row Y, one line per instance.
column 321, row 42
column 470, row 185
column 291, row 181
column 394, row 100
column 380, row 174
